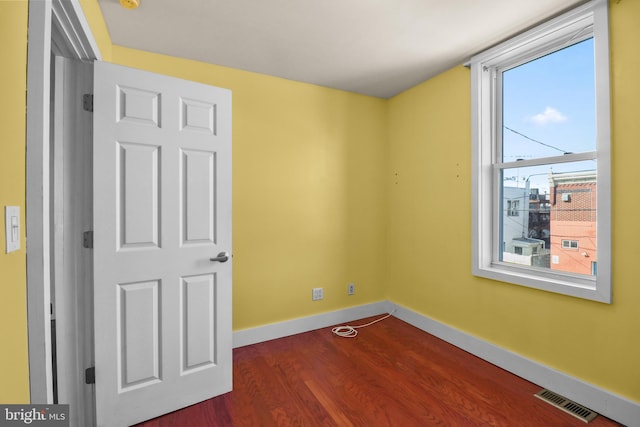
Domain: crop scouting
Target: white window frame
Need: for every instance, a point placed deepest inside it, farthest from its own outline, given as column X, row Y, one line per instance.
column 588, row 19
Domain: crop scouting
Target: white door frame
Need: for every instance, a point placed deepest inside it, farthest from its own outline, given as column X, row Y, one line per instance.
column 59, row 25
column 71, row 216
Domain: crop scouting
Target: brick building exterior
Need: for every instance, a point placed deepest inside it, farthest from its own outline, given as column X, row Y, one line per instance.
column 573, row 222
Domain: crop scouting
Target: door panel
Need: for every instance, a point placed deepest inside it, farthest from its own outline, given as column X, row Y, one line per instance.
column 162, row 210
column 137, row 195
column 198, row 197
column 198, row 322
column 137, row 317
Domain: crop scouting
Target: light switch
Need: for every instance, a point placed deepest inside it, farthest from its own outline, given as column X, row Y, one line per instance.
column 12, row 227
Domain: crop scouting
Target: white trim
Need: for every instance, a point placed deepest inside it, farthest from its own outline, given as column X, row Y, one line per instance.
column 71, row 32
column 542, row 38
column 37, row 163
column 70, row 17
column 602, row 401
column 304, row 324
column 71, row 216
column 603, row 138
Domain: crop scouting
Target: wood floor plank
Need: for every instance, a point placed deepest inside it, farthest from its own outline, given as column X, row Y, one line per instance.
column 391, row 374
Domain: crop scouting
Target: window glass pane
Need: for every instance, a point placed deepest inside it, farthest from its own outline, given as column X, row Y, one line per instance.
column 549, row 105
column 548, row 216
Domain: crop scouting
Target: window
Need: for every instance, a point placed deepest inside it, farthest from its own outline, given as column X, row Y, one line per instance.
column 570, row 244
column 541, row 138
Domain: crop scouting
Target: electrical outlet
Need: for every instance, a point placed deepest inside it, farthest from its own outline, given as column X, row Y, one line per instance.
column 351, row 289
column 317, row 294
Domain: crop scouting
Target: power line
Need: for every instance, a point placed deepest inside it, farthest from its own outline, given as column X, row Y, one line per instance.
column 536, row 141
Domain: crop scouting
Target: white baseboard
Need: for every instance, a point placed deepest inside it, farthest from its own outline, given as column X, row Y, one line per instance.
column 599, row 400
column 296, row 326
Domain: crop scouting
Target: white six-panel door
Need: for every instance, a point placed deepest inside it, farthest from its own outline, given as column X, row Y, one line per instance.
column 162, row 210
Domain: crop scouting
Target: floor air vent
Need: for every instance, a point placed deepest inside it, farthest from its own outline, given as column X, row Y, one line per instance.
column 566, row 405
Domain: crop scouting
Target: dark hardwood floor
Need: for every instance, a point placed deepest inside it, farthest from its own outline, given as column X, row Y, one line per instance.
column 391, row 374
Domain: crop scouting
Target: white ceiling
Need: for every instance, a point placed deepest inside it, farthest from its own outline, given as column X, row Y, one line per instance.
column 373, row 47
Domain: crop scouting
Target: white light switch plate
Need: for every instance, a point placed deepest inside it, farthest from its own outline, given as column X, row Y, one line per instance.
column 12, row 227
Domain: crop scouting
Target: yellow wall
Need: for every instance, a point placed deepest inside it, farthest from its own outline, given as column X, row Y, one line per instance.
column 14, row 374
column 331, row 187
column 308, row 190
column 429, row 237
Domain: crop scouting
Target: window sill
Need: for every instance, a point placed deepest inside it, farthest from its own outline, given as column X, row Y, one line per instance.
column 561, row 283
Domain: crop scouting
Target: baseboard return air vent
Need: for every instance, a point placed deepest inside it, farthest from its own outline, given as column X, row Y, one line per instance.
column 568, row 406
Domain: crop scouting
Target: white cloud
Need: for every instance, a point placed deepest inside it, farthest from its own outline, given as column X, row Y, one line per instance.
column 550, row 115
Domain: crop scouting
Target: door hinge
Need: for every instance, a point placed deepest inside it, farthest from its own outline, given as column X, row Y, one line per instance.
column 90, row 375
column 87, row 102
column 87, row 239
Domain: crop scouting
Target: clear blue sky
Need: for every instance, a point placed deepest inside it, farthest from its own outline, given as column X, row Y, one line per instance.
column 551, row 100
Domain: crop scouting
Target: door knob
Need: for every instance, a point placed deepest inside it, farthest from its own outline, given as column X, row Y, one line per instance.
column 221, row 257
